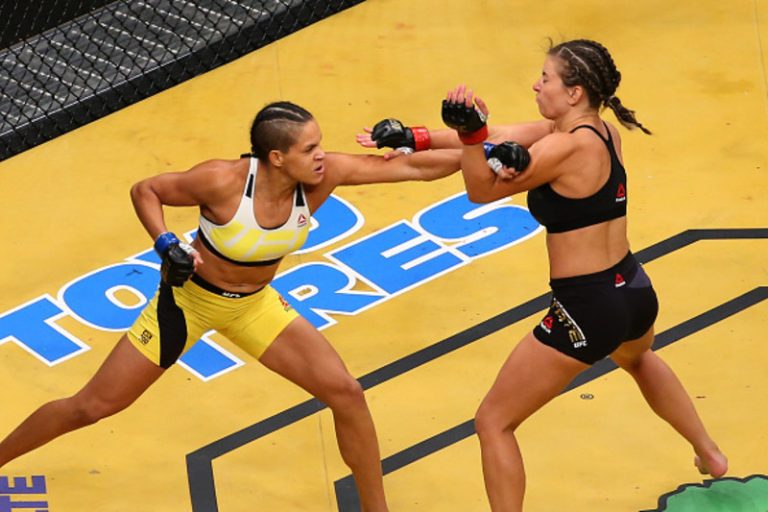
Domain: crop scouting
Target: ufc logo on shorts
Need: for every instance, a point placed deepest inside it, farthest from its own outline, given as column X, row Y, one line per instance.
column 146, row 336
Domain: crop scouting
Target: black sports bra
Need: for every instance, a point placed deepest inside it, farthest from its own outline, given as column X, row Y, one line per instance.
column 559, row 214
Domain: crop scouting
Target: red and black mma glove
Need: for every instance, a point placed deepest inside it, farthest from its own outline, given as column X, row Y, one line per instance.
column 391, row 133
column 507, row 154
column 177, row 265
column 467, row 121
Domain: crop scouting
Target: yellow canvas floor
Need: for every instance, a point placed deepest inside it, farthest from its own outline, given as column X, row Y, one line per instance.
column 695, row 73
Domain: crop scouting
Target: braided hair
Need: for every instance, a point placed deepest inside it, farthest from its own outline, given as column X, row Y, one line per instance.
column 277, row 126
column 588, row 64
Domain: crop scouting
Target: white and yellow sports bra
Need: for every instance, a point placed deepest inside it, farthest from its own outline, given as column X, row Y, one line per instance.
column 243, row 242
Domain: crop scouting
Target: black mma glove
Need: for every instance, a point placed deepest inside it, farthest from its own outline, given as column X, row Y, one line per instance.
column 467, row 121
column 391, row 133
column 177, row 265
column 508, row 154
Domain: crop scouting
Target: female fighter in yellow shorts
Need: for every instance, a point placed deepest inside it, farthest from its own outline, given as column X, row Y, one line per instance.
column 253, row 211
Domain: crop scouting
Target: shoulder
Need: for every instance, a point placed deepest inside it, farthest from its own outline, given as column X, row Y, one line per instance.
column 615, row 136
column 560, row 152
column 342, row 160
column 221, row 166
column 213, row 181
column 580, row 141
column 334, row 159
column 526, row 133
column 221, row 172
column 590, row 142
column 337, row 166
column 558, row 143
column 340, row 166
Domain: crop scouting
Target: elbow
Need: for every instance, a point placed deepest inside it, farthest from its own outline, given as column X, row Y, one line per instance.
column 136, row 191
column 139, row 190
column 478, row 197
column 484, row 192
column 476, row 193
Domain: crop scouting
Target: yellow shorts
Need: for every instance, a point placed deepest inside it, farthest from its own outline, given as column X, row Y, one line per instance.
column 177, row 317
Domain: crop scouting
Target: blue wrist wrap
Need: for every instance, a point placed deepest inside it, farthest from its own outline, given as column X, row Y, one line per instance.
column 487, row 147
column 164, row 241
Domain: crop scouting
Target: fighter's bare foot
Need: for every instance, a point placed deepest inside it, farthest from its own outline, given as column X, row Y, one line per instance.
column 714, row 464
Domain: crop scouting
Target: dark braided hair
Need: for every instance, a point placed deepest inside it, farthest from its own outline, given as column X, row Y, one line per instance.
column 277, row 126
column 588, row 64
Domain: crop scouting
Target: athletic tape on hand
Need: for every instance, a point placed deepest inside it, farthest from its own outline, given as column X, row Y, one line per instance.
column 495, row 165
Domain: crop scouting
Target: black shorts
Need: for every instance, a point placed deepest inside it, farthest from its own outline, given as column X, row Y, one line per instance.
column 591, row 315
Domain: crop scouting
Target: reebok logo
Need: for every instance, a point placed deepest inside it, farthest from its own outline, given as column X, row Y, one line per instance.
column 302, row 220
column 546, row 324
column 231, row 295
column 621, row 193
column 619, row 281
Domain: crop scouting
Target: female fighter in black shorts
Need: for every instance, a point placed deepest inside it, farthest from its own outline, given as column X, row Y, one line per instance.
column 603, row 303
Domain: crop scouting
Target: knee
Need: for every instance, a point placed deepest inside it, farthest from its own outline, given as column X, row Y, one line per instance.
column 489, row 423
column 632, row 364
column 624, row 363
column 345, row 393
column 89, row 410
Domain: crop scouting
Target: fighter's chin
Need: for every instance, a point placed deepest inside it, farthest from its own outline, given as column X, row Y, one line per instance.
column 318, row 173
column 546, row 114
